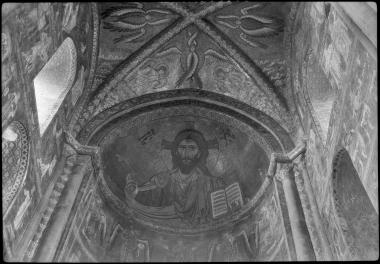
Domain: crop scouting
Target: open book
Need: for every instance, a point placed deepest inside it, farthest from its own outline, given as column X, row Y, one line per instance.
column 226, row 200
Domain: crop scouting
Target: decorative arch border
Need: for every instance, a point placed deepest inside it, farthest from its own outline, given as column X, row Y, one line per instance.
column 275, row 134
column 90, row 82
column 123, row 124
column 69, row 44
column 15, row 189
column 289, row 53
column 176, row 111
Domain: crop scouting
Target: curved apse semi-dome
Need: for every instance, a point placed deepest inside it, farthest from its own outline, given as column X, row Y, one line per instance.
column 182, row 166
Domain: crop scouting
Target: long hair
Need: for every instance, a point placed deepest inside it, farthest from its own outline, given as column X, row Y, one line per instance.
column 197, row 137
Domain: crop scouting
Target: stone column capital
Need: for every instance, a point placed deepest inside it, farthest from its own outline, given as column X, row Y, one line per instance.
column 284, row 171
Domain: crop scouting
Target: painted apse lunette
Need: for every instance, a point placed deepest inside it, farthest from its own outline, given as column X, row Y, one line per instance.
column 172, row 165
column 164, row 166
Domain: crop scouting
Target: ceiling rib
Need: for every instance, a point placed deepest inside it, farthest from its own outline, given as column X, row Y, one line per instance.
column 189, row 17
column 163, row 37
column 232, row 50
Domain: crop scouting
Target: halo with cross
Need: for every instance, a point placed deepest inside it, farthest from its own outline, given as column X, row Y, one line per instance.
column 189, row 132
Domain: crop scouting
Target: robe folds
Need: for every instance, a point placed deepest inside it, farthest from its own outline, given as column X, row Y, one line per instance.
column 188, row 193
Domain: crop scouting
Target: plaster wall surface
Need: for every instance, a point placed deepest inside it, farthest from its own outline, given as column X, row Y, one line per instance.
column 331, row 60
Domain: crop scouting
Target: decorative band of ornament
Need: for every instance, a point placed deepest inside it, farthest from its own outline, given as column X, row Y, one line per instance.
column 90, row 80
column 272, row 141
column 22, row 149
column 181, row 111
column 53, row 201
column 222, row 103
column 289, row 41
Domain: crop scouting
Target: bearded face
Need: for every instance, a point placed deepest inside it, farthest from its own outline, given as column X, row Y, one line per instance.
column 188, row 152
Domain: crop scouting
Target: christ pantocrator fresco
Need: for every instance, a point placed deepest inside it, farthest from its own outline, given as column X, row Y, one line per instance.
column 188, row 185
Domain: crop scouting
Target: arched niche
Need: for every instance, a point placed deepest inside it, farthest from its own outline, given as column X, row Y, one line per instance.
column 54, row 81
column 357, row 216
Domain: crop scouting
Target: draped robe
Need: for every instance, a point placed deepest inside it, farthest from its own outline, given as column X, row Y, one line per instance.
column 189, row 193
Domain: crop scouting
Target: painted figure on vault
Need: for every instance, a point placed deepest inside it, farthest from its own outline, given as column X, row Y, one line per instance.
column 188, row 186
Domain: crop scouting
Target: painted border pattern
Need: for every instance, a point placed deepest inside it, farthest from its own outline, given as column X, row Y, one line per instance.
column 14, row 190
column 83, row 99
column 180, row 110
column 257, row 119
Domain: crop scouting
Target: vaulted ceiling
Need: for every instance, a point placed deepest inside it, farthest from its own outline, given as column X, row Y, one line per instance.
column 162, row 67
column 234, row 49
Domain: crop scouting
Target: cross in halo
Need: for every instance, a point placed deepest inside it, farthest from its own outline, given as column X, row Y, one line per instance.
column 189, row 125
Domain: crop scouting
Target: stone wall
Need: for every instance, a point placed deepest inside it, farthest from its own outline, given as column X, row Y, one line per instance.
column 332, row 59
column 31, row 34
